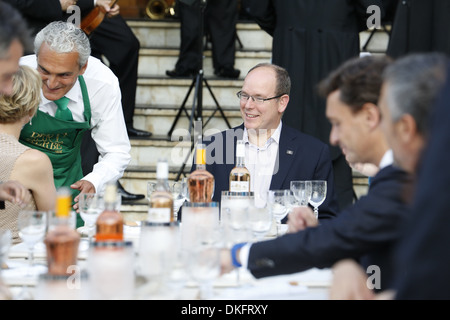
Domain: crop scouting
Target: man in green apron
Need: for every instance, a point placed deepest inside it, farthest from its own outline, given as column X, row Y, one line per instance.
column 79, row 93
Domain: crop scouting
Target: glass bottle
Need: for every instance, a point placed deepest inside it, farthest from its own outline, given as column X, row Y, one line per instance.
column 62, row 239
column 161, row 200
column 200, row 181
column 109, row 223
column 239, row 175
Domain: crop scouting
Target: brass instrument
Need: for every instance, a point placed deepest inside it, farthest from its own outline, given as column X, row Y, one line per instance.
column 159, row 9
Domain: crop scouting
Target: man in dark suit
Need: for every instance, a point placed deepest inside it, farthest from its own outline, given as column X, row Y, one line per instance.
column 408, row 103
column 310, row 39
column 275, row 153
column 365, row 231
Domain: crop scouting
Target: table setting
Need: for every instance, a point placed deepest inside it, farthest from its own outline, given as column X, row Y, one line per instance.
column 181, row 264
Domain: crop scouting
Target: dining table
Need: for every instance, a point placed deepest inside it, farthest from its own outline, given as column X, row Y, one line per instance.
column 17, row 276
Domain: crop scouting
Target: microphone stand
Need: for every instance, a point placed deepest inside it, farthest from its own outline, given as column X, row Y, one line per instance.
column 197, row 105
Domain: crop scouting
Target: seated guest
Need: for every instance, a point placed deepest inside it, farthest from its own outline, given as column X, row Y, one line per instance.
column 14, row 39
column 79, row 94
column 410, row 89
column 275, row 154
column 368, row 229
column 30, row 167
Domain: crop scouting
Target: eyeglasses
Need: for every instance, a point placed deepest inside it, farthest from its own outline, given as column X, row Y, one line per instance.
column 244, row 97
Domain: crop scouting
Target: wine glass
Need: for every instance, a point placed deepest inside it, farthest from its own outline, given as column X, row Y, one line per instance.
column 179, row 192
column 260, row 216
column 5, row 244
column 279, row 204
column 318, row 194
column 301, row 190
column 204, row 262
column 91, row 206
column 32, row 226
column 151, row 186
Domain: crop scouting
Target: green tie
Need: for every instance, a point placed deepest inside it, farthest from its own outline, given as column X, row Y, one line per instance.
column 63, row 112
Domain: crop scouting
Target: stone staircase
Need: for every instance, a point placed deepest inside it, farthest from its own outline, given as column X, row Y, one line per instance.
column 159, row 99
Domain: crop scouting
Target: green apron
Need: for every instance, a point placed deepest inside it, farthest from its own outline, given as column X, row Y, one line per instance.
column 61, row 141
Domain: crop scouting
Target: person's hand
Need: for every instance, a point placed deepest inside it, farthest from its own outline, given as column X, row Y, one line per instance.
column 15, row 192
column 66, row 4
column 83, row 186
column 226, row 265
column 367, row 169
column 349, row 282
column 300, row 218
column 111, row 12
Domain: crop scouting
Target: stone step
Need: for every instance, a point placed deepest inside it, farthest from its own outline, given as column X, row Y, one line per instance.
column 161, row 120
column 164, row 91
column 155, row 61
column 166, row 34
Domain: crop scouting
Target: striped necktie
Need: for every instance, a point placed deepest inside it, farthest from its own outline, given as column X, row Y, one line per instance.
column 63, row 111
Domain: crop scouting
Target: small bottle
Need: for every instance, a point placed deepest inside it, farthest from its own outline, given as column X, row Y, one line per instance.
column 200, row 181
column 239, row 175
column 161, row 200
column 62, row 239
column 109, row 223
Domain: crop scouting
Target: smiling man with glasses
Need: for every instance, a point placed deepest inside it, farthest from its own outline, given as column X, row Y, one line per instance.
column 275, row 154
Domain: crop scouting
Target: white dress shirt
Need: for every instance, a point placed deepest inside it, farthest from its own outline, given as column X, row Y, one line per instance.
column 107, row 121
column 261, row 161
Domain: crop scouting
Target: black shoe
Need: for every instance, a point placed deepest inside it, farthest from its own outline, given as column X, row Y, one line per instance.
column 227, row 73
column 126, row 196
column 136, row 133
column 180, row 73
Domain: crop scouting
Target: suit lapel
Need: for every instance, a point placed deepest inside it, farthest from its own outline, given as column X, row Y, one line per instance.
column 286, row 155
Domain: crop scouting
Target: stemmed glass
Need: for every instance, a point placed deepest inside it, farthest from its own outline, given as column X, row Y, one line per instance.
column 91, row 206
column 32, row 226
column 204, row 263
column 180, row 194
column 279, row 204
column 151, row 186
column 5, row 244
column 318, row 194
column 302, row 191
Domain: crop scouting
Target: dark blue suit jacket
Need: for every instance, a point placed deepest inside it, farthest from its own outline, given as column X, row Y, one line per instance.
column 366, row 231
column 423, row 255
column 300, row 157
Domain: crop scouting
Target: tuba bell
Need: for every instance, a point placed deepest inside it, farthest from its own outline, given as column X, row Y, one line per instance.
column 159, row 9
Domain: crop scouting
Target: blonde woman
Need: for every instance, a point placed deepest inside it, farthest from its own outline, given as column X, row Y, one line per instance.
column 30, row 167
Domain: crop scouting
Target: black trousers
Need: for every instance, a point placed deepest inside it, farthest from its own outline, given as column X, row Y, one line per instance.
column 220, row 17
column 115, row 40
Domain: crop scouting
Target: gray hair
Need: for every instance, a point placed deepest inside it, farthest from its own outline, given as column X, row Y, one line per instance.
column 12, row 27
column 283, row 85
column 414, row 82
column 64, row 37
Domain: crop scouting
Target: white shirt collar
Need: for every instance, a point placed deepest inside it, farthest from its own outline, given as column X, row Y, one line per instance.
column 387, row 159
column 274, row 138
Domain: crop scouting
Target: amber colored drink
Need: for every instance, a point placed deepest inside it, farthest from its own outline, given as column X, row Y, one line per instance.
column 201, row 181
column 62, row 240
column 109, row 225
